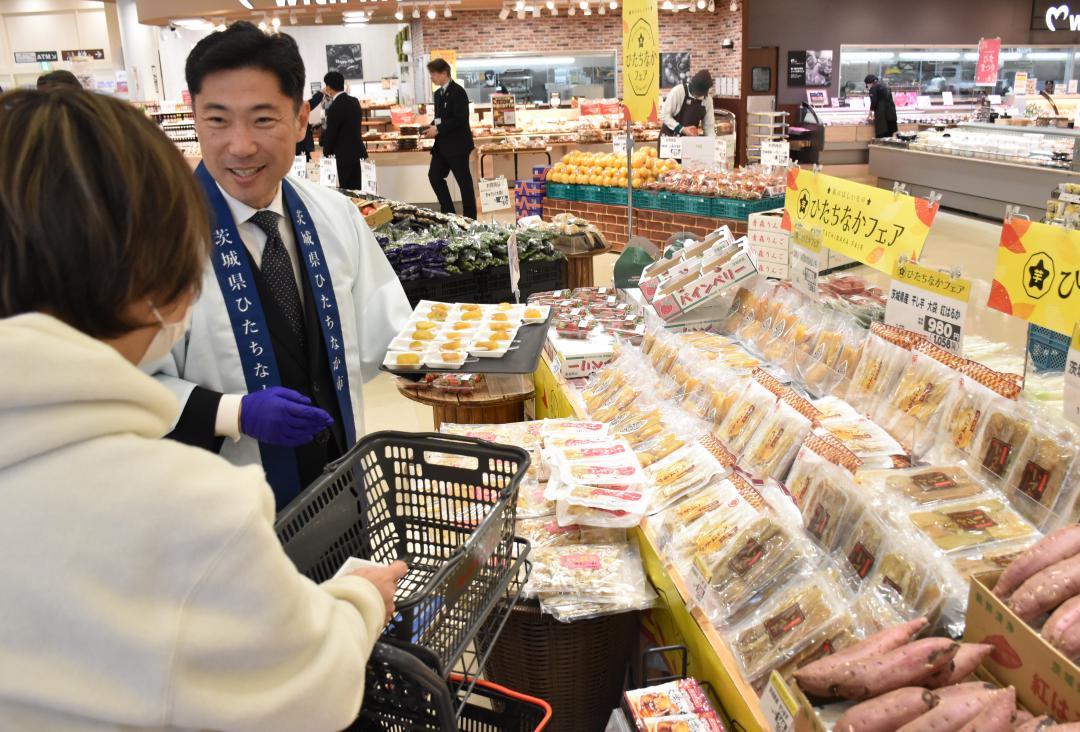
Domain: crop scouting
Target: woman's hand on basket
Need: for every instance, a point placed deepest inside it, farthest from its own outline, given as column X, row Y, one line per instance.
column 385, row 580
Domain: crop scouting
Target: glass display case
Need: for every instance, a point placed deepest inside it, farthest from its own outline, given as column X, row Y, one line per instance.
column 1043, row 147
column 534, row 78
column 932, row 70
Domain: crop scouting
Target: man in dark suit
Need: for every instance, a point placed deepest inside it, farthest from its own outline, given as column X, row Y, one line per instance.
column 453, row 141
column 341, row 134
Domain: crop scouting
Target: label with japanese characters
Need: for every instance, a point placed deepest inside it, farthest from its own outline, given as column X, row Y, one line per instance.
column 618, row 143
column 641, row 58
column 299, row 167
column 328, row 172
column 806, row 261
column 369, row 178
column 1037, row 277
column 670, row 147
column 871, row 225
column 778, row 704
column 494, row 195
column 775, row 153
column 1072, row 378
column 930, row 303
column 698, row 153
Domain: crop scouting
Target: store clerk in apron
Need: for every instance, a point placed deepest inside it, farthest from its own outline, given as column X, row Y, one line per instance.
column 300, row 303
column 688, row 109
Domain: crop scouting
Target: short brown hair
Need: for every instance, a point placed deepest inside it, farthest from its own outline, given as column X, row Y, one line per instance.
column 98, row 210
column 439, row 66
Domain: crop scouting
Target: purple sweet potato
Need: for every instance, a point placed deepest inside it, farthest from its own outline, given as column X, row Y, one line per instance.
column 951, row 713
column 963, row 665
column 908, row 665
column 887, row 712
column 997, row 715
column 1047, row 589
column 1056, row 546
column 814, row 678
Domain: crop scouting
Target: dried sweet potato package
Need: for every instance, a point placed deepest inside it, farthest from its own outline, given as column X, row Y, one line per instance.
column 682, row 473
column 714, row 394
column 1038, row 484
column 964, row 412
column 771, row 450
column 545, row 531
column 973, row 523
column 748, row 412
column 1002, row 436
column 912, row 411
column 880, row 366
column 924, row 486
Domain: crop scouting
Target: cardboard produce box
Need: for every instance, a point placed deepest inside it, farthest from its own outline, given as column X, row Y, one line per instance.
column 1046, row 681
column 376, row 213
column 574, row 359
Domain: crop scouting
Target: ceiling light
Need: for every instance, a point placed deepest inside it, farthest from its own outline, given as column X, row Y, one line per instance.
column 734, row 6
column 521, row 15
column 399, row 14
column 712, row 6
column 572, row 10
column 668, row 5
column 614, row 5
column 554, row 11
column 318, row 18
column 276, row 22
column 504, row 13
column 602, row 10
column 416, row 12
column 263, row 26
column 246, row 4
column 431, row 13
column 292, row 19
column 446, row 12
column 220, row 27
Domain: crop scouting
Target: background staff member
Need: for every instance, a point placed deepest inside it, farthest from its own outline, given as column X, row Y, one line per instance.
column 688, row 109
column 300, row 304
column 881, row 106
column 144, row 588
column 453, row 141
column 341, row 135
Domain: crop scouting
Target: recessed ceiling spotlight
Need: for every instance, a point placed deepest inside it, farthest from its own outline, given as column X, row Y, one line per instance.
column 446, row 12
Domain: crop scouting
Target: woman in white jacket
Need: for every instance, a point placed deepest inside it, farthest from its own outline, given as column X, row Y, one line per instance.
column 142, row 584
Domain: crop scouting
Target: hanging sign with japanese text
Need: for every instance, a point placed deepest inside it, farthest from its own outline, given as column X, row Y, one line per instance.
column 299, row 167
column 871, row 225
column 775, row 153
column 930, row 303
column 986, row 72
column 328, row 172
column 1072, row 378
column 494, row 195
column 369, row 177
column 1037, row 277
column 641, row 59
column 670, row 147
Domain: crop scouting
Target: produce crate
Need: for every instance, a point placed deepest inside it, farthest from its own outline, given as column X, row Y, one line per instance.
column 614, row 196
column 693, row 205
column 536, row 276
column 464, row 287
column 562, row 191
column 590, row 194
column 649, row 200
column 731, row 208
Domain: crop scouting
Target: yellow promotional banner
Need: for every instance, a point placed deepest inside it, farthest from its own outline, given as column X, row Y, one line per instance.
column 448, row 55
column 1038, row 274
column 641, row 59
column 872, row 225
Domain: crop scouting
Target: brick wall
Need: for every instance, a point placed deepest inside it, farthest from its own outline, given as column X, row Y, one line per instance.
column 478, row 32
column 656, row 226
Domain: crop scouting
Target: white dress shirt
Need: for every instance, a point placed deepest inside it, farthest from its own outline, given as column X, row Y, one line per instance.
column 227, row 423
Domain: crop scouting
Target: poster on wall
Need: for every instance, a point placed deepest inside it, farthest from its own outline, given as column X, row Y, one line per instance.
column 346, row 59
column 641, row 58
column 796, row 68
column 986, row 73
column 810, row 68
column 674, row 69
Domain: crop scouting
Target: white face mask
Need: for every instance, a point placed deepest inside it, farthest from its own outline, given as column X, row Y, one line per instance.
column 167, row 336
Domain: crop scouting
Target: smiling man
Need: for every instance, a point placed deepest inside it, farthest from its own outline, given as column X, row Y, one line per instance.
column 300, row 304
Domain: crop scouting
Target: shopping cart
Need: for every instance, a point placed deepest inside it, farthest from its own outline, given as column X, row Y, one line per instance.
column 445, row 505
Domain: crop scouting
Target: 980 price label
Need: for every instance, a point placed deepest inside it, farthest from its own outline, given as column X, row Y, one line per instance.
column 941, row 332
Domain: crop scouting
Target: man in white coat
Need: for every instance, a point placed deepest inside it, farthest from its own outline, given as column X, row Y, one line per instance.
column 300, row 304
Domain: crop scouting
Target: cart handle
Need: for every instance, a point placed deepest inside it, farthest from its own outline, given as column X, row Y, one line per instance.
column 458, row 678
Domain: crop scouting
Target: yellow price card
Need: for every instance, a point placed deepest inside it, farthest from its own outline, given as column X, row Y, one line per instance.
column 871, row 225
column 1037, row 277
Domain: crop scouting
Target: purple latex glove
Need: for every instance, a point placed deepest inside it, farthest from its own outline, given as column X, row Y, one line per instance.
column 280, row 416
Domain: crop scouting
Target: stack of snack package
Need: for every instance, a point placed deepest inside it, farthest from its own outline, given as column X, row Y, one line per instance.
column 677, row 706
column 861, row 476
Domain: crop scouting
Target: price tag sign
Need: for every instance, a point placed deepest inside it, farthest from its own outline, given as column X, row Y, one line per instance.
column 994, row 99
column 775, row 153
column 779, row 705
column 720, row 154
column 807, row 260
column 328, row 172
column 1072, row 378
column 923, row 101
column 670, row 147
column 698, row 153
column 930, row 303
column 947, row 98
column 618, row 143
column 493, row 194
column 299, row 167
column 514, row 257
column 1071, row 89
column 369, row 178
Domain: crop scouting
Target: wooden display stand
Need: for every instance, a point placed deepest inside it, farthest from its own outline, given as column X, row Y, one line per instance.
column 579, row 268
column 500, row 399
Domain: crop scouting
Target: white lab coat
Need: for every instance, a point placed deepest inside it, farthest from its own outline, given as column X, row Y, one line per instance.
column 370, row 298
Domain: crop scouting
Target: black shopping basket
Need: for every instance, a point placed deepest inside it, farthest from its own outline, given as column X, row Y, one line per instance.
column 445, row 505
